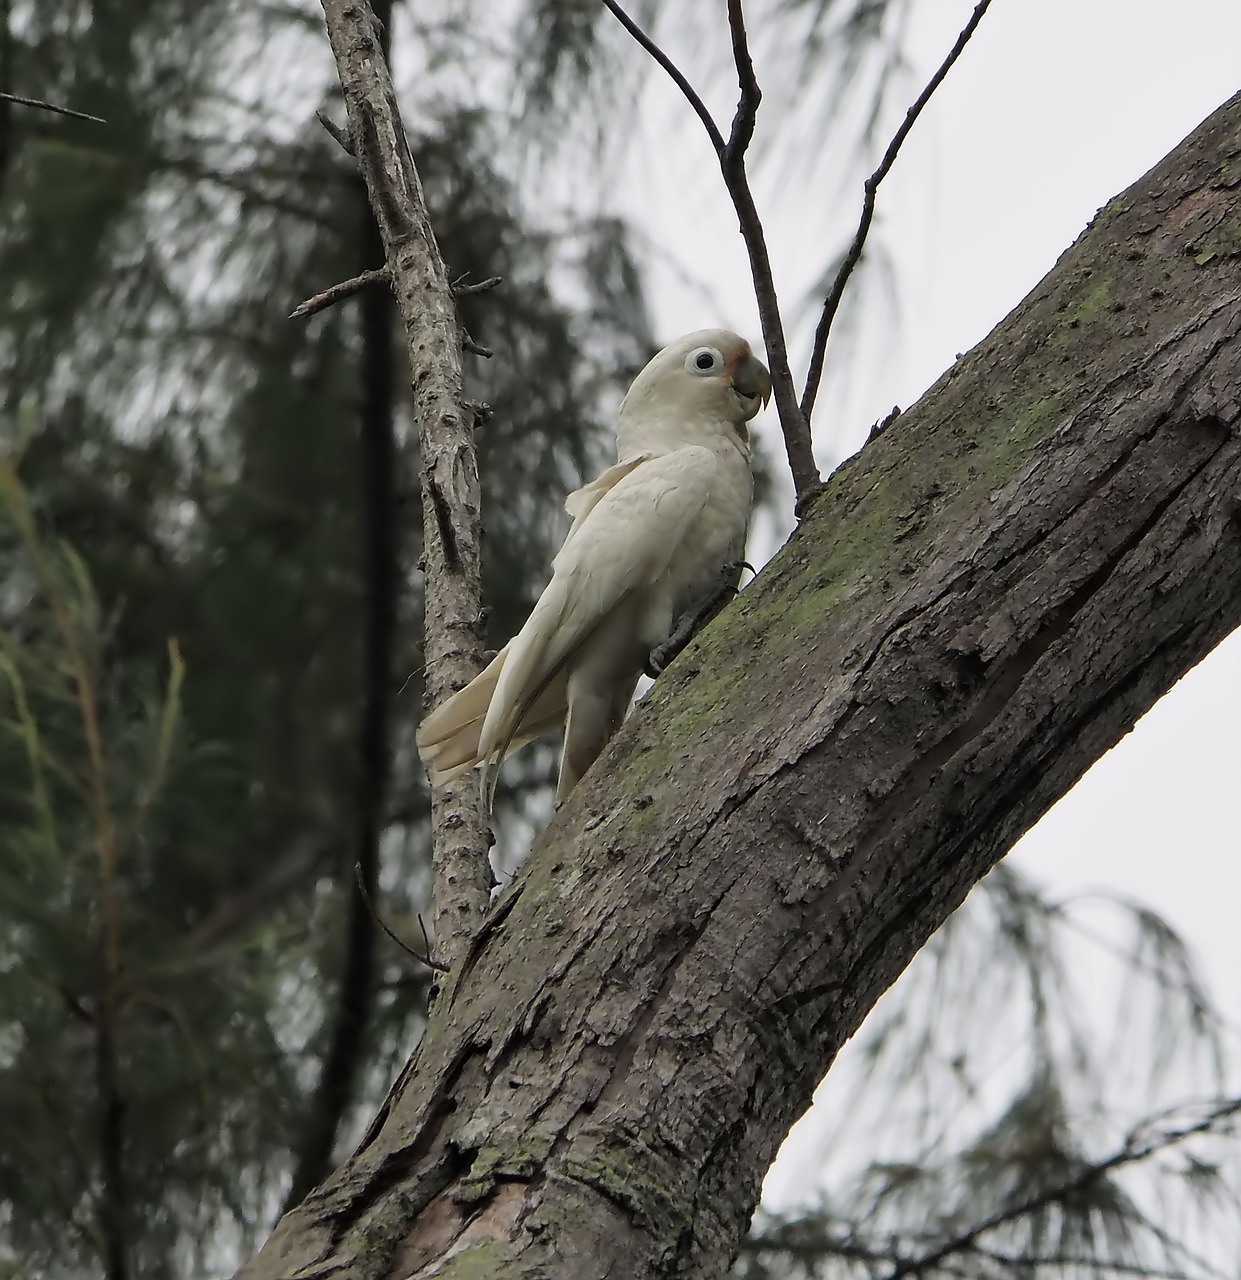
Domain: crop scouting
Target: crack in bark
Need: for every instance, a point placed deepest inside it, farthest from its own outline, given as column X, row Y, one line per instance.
column 443, row 525
column 1004, row 682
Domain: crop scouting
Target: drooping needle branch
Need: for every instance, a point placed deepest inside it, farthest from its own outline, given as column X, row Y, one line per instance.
column 731, row 153
column 1136, row 1148
column 831, row 304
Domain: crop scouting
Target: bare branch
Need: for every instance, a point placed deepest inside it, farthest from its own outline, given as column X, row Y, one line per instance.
column 339, row 292
column 831, row 304
column 50, row 106
column 794, row 425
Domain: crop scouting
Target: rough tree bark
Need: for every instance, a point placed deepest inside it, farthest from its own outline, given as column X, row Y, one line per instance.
column 980, row 605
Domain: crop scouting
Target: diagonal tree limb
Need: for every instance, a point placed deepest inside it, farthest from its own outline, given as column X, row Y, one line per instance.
column 336, row 133
column 450, row 488
column 831, row 304
column 675, row 74
column 977, row 608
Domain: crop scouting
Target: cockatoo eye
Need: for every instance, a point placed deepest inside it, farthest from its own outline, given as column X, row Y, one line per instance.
column 704, row 360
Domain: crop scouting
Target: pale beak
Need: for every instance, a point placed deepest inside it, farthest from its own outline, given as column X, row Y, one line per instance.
column 752, row 380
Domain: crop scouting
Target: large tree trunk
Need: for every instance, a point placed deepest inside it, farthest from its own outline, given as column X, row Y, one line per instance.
column 980, row 605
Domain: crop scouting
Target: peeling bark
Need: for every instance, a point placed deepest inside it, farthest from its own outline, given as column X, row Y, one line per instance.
column 979, row 606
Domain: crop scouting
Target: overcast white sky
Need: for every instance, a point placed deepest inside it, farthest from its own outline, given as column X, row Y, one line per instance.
column 1055, row 107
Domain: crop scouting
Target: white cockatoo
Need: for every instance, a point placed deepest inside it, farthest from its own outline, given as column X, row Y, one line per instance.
column 650, row 541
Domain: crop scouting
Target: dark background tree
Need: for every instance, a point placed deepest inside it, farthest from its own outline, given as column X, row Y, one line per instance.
column 188, row 466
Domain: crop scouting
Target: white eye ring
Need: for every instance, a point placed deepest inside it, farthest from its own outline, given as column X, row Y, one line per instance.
column 703, row 361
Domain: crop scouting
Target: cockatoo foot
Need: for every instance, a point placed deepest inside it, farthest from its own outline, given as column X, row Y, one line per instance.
column 691, row 623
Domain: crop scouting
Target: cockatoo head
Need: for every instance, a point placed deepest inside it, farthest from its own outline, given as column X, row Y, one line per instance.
column 706, row 383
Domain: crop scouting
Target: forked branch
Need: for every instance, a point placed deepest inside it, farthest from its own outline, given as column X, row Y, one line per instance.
column 731, row 155
column 794, row 416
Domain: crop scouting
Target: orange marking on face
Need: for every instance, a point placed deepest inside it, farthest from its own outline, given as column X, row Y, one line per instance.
column 731, row 366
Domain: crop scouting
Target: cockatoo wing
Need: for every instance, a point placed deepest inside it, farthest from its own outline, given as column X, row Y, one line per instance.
column 448, row 739
column 623, row 543
column 581, row 502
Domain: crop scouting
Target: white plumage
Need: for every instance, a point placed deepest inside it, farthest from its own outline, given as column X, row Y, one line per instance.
column 649, row 540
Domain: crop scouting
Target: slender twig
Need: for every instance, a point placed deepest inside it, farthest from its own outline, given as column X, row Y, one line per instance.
column 335, row 132
column 50, row 106
column 427, row 959
column 462, row 289
column 426, row 942
column 831, row 304
column 674, row 72
column 339, row 292
column 731, row 155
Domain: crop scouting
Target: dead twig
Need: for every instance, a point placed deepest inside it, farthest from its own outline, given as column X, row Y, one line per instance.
column 51, row 106
column 831, row 304
column 339, row 292
column 337, row 134
column 428, row 959
column 731, row 153
column 461, row 288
